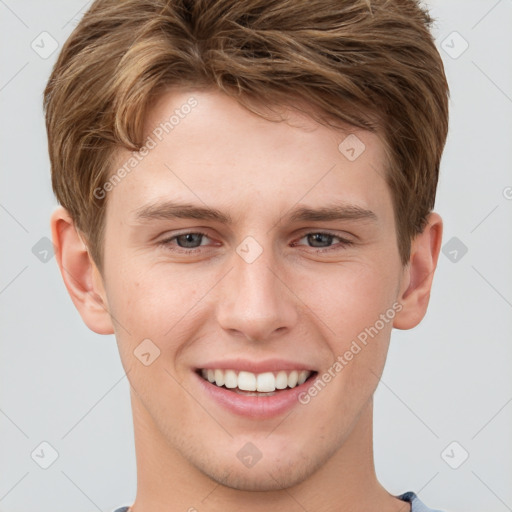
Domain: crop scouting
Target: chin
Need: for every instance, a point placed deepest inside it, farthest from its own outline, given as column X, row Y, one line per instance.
column 270, row 475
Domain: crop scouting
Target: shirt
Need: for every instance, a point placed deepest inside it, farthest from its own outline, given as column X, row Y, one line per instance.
column 416, row 504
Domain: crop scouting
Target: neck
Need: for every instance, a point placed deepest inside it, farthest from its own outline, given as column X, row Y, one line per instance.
column 347, row 481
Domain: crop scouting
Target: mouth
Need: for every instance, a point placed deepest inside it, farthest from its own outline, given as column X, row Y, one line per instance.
column 265, row 384
column 254, row 389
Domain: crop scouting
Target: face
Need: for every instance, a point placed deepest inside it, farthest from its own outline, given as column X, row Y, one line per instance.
column 252, row 254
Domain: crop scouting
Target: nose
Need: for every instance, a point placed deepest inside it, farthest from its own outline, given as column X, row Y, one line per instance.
column 256, row 302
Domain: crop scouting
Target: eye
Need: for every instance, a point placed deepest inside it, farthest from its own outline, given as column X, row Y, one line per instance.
column 190, row 240
column 323, row 240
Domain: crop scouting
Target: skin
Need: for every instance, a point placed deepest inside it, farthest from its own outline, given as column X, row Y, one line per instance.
column 293, row 302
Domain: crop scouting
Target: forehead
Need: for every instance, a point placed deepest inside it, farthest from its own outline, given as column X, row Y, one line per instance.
column 204, row 147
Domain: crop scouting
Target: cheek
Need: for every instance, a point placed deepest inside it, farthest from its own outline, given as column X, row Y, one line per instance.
column 363, row 328
column 161, row 303
column 351, row 299
column 358, row 311
column 351, row 302
column 154, row 298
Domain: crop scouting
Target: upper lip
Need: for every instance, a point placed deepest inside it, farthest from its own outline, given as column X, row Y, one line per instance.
column 267, row 365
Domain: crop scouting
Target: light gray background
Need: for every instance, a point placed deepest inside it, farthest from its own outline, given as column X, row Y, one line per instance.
column 447, row 380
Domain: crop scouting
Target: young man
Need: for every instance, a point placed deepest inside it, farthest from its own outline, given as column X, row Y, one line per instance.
column 247, row 192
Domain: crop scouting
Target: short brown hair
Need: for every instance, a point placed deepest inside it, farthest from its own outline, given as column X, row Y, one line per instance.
column 370, row 63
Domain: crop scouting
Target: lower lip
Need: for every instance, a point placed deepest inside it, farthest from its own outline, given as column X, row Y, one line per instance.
column 260, row 407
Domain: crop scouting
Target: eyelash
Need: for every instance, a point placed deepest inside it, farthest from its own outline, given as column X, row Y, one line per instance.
column 176, row 248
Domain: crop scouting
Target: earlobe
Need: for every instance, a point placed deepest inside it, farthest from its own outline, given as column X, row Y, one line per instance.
column 81, row 276
column 418, row 275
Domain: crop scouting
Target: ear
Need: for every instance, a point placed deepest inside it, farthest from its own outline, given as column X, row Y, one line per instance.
column 80, row 274
column 418, row 274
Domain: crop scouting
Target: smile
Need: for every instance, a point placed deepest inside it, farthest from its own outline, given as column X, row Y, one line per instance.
column 255, row 383
column 261, row 389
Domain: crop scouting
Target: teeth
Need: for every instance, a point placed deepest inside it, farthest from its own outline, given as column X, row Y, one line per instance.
column 266, row 382
column 303, row 375
column 247, row 381
column 230, row 379
column 281, row 380
column 219, row 377
column 293, row 379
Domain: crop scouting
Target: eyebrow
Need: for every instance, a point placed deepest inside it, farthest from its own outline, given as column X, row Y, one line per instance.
column 332, row 212
column 170, row 210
